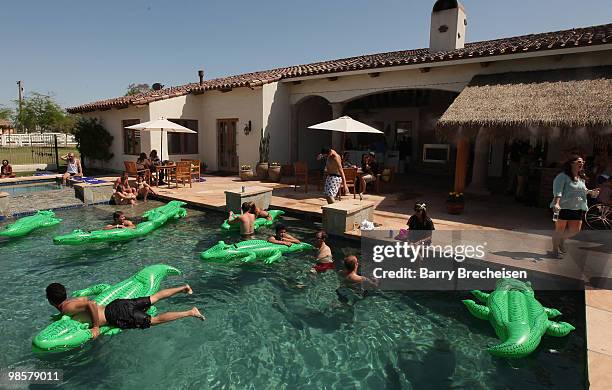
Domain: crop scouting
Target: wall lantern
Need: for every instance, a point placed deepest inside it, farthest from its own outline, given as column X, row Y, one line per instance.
column 247, row 128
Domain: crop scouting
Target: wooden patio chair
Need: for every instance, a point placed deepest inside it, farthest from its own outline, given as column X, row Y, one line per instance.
column 350, row 174
column 132, row 170
column 300, row 174
column 183, row 173
column 195, row 168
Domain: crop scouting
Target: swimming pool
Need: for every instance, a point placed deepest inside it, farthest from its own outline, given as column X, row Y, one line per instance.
column 21, row 189
column 272, row 326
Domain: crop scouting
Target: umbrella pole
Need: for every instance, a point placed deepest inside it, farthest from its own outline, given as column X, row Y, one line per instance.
column 161, row 144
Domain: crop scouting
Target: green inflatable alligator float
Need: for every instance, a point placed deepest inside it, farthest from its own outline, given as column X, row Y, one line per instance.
column 518, row 318
column 250, row 250
column 154, row 219
column 66, row 333
column 25, row 225
column 259, row 222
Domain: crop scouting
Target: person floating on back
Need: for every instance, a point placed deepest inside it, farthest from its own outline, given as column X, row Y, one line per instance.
column 120, row 222
column 282, row 237
column 325, row 260
column 120, row 313
column 246, row 220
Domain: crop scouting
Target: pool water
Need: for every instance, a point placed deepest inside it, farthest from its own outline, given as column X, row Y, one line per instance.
column 268, row 326
column 21, row 189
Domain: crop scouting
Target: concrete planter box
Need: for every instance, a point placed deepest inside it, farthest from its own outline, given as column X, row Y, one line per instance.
column 93, row 193
column 344, row 216
column 4, row 205
column 261, row 196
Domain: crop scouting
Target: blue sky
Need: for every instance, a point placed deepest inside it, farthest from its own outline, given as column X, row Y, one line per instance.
column 85, row 51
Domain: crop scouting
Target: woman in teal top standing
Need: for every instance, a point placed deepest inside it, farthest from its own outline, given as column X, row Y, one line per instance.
column 570, row 202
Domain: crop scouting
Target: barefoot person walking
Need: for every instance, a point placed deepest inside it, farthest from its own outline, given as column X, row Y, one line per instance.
column 335, row 174
column 570, row 202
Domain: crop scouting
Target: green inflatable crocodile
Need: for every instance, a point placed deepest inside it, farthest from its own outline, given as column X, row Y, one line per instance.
column 154, row 219
column 66, row 333
column 250, row 250
column 518, row 318
column 25, row 225
column 259, row 222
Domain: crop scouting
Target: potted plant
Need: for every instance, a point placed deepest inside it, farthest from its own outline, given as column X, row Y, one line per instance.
column 264, row 154
column 246, row 173
column 274, row 172
column 455, row 203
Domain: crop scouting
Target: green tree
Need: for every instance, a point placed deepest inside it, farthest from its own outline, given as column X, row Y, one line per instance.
column 135, row 89
column 41, row 113
column 5, row 113
column 93, row 140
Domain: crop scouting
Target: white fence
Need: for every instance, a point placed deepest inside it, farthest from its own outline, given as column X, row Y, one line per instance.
column 37, row 139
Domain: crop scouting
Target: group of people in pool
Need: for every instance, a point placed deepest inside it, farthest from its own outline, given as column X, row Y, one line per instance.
column 124, row 193
column 132, row 313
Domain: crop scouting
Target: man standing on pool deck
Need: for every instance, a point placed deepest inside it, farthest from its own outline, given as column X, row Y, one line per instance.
column 74, row 167
column 120, row 313
column 335, row 174
column 246, row 220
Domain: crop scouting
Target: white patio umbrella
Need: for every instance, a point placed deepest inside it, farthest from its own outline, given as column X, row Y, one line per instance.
column 345, row 124
column 161, row 125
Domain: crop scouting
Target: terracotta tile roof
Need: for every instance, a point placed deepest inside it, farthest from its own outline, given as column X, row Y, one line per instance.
column 566, row 39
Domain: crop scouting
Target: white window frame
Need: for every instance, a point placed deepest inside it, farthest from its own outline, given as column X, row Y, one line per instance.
column 436, row 146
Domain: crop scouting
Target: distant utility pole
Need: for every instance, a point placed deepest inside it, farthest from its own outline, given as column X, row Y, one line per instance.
column 20, row 87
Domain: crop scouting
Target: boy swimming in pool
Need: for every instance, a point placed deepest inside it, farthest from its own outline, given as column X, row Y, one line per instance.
column 120, row 222
column 282, row 237
column 259, row 213
column 246, row 220
column 120, row 313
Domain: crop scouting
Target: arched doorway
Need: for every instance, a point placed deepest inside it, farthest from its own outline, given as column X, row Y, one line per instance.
column 309, row 111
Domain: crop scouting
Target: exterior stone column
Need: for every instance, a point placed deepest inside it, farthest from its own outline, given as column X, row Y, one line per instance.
column 480, row 170
column 337, row 137
column 461, row 163
column 294, row 136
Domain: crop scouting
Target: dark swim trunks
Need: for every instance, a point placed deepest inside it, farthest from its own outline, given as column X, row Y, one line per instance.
column 129, row 313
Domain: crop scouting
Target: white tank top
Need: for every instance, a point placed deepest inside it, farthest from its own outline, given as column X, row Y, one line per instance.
column 72, row 167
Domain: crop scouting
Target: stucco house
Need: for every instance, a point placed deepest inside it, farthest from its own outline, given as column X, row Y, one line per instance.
column 450, row 109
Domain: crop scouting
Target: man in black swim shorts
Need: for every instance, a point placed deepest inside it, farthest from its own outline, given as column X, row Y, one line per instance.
column 121, row 313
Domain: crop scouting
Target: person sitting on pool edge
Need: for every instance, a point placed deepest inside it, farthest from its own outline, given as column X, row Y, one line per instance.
column 324, row 256
column 73, row 167
column 420, row 226
column 124, row 180
column 120, row 313
column 245, row 220
column 6, row 171
column 259, row 213
column 143, row 188
column 124, row 196
column 120, row 222
column 282, row 237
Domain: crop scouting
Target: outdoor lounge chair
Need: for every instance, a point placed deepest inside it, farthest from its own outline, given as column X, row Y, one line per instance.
column 183, row 172
column 132, row 170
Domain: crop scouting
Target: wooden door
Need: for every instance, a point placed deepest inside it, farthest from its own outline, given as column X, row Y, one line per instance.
column 226, row 145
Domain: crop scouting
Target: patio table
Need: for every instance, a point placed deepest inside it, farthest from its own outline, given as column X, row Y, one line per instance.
column 168, row 171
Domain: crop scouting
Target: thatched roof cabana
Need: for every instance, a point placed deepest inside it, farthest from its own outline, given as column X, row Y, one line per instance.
column 508, row 104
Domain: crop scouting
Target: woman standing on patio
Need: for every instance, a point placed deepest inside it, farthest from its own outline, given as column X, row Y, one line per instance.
column 570, row 202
